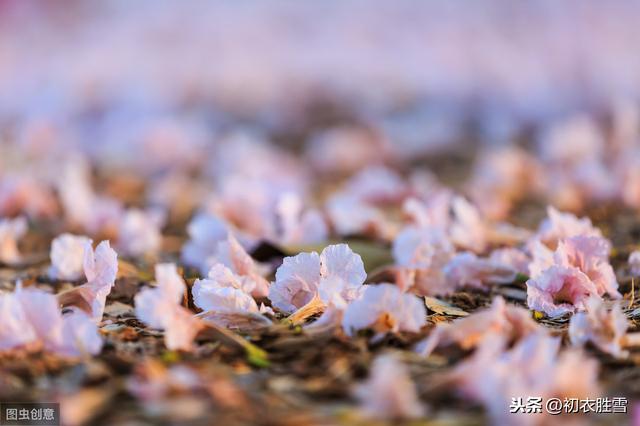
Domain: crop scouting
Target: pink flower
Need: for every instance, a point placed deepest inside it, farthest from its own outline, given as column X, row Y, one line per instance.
column 31, row 317
column 468, row 229
column 559, row 226
column 139, row 232
column 605, row 328
column 231, row 254
column 299, row 227
column 351, row 216
column 560, row 290
column 161, row 308
column 467, row 269
column 562, row 281
column 389, row 392
column 335, row 276
column 11, row 230
column 225, row 299
column 634, row 262
column 509, row 321
column 67, row 257
column 494, row 375
column 384, row 308
column 377, row 185
column 80, row 335
column 82, row 207
column 422, row 254
column 100, row 268
column 433, row 212
column 205, row 232
column 591, row 256
column 512, row 257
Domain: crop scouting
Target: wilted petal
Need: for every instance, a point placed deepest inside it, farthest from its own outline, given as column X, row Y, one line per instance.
column 389, row 392
column 385, row 308
column 67, row 256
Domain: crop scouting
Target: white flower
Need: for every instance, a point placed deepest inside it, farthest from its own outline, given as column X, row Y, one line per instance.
column 385, row 308
column 205, row 232
column 32, row 317
column 560, row 225
column 467, row 269
column 224, row 291
column 161, row 308
column 139, row 232
column 335, row 276
column 67, row 256
column 101, row 269
column 389, row 392
column 231, row 254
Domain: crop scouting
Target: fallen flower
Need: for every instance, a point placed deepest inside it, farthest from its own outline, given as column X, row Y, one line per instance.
column 384, row 308
column 139, row 232
column 421, row 254
column 67, row 257
column 332, row 278
column 225, row 298
column 389, row 392
column 11, row 230
column 578, row 268
column 231, row 254
column 100, row 268
column 560, row 290
column 510, row 321
column 32, row 318
column 467, row 269
column 161, row 308
column 299, row 226
column 591, row 256
column 495, row 375
column 605, row 328
column 559, row 226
